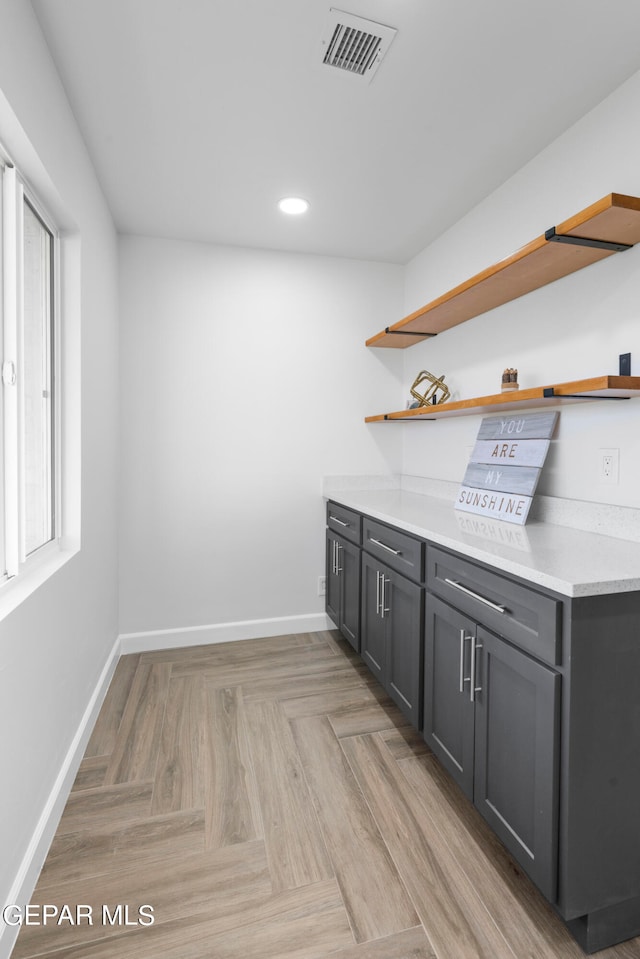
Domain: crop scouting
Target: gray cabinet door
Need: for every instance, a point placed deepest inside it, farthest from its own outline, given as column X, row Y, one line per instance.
column 333, row 584
column 349, row 566
column 448, row 710
column 404, row 609
column 517, row 751
column 373, row 627
column 343, row 587
column 391, row 634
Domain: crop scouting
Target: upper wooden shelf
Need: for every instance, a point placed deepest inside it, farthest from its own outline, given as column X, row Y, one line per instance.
column 597, row 387
column 608, row 226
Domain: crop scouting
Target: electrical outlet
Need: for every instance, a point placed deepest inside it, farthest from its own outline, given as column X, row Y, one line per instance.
column 322, row 585
column 609, row 466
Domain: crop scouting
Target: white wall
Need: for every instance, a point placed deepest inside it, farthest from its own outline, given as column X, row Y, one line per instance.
column 244, row 381
column 571, row 329
column 54, row 646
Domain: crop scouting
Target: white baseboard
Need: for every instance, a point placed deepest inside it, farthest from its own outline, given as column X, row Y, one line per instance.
column 222, row 632
column 34, row 857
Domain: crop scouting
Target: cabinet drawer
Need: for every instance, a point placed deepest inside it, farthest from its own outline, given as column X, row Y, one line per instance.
column 524, row 616
column 398, row 550
column 344, row 521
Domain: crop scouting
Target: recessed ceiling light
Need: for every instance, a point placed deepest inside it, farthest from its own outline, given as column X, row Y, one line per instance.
column 293, row 205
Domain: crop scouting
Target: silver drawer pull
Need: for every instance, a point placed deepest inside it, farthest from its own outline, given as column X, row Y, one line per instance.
column 474, row 689
column 336, row 520
column 481, row 599
column 396, row 552
column 463, row 679
column 383, row 597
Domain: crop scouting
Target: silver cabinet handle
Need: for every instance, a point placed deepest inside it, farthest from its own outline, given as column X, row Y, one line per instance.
column 339, row 521
column 474, row 689
column 381, row 594
column 463, row 679
column 481, row 599
column 396, row 552
column 338, row 566
column 384, row 608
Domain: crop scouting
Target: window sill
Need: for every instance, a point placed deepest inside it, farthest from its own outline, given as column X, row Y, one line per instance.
column 18, row 589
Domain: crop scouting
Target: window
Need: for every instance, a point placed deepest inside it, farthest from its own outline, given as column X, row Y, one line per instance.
column 27, row 423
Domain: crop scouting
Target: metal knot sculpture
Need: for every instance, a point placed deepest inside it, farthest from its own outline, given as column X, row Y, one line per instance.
column 427, row 395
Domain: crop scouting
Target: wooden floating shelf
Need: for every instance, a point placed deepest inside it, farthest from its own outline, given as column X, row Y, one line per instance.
column 597, row 387
column 606, row 227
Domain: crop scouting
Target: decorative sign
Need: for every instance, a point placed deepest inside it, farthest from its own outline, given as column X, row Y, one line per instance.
column 511, row 452
column 505, row 466
column 503, row 479
column 530, row 426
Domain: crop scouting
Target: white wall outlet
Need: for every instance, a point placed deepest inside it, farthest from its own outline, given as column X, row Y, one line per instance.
column 322, row 585
column 609, row 466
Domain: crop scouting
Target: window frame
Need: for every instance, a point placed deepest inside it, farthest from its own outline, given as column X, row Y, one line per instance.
column 14, row 561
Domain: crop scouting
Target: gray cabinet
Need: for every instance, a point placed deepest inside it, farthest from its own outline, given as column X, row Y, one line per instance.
column 492, row 702
column 449, row 713
column 343, row 587
column 345, row 522
column 343, row 571
column 517, row 750
column 492, row 717
column 527, row 617
column 530, row 700
column 392, row 615
column 374, row 618
column 599, row 856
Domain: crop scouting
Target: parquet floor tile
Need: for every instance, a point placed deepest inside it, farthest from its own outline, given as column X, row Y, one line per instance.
column 266, row 800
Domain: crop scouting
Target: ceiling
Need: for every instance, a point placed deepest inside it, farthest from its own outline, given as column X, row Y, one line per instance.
column 200, row 114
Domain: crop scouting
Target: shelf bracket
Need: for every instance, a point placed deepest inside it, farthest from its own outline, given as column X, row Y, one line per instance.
column 552, row 236
column 548, row 392
column 409, row 419
column 388, row 329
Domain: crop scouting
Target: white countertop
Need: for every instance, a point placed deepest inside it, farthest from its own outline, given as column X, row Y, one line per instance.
column 567, row 560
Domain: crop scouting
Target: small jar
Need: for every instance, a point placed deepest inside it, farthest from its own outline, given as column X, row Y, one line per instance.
column 510, row 380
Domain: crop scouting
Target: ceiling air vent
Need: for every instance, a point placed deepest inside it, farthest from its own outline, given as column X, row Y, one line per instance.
column 354, row 44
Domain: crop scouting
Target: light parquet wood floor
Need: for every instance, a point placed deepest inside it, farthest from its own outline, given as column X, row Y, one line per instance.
column 269, row 802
